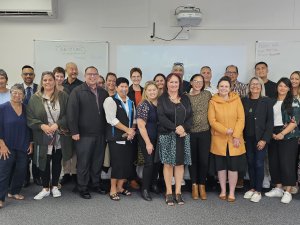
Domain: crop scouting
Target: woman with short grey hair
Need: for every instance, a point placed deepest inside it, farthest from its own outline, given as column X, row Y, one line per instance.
column 14, row 145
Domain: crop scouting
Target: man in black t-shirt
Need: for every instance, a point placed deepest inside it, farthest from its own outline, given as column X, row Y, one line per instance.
column 261, row 71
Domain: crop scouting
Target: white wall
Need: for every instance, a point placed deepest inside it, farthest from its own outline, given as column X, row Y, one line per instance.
column 129, row 22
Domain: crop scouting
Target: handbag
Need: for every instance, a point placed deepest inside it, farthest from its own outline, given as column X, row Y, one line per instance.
column 49, row 139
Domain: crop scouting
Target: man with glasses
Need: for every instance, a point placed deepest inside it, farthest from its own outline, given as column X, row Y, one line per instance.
column 30, row 88
column 87, row 123
column 240, row 88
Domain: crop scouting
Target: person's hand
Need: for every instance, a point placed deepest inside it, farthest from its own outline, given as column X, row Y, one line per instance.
column 229, row 131
column 236, row 142
column 4, row 152
column 278, row 136
column 47, row 129
column 179, row 130
column 30, row 149
column 261, row 144
column 54, row 127
column 131, row 132
column 149, row 148
column 76, row 137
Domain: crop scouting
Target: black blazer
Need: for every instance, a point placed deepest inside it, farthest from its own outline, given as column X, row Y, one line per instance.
column 264, row 120
column 131, row 93
column 166, row 111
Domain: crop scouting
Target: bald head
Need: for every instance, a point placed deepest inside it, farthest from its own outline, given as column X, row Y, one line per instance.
column 72, row 71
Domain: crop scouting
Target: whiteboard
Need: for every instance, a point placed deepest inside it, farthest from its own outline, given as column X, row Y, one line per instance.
column 153, row 59
column 50, row 54
column 281, row 57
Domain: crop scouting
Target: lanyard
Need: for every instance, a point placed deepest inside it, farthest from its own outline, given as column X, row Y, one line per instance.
column 129, row 102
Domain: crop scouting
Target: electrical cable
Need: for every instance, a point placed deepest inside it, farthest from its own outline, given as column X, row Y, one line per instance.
column 172, row 38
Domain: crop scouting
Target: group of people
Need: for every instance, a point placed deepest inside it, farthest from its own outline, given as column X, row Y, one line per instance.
column 172, row 124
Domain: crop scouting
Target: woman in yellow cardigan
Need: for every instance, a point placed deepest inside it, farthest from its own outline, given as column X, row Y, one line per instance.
column 227, row 119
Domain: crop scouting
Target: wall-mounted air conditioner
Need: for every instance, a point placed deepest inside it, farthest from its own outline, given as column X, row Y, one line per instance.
column 28, row 8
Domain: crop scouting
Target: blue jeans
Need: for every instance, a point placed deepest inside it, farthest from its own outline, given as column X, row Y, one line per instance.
column 16, row 173
column 255, row 160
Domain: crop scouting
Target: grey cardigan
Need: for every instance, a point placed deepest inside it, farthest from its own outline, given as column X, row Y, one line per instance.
column 36, row 116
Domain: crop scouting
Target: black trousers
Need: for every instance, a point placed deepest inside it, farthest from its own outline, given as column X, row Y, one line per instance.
column 282, row 161
column 90, row 155
column 200, row 147
column 35, row 170
column 150, row 171
column 56, row 169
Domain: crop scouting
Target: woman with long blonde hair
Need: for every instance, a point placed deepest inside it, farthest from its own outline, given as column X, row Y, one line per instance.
column 147, row 137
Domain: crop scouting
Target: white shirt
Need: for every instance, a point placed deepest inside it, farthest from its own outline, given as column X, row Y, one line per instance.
column 277, row 114
column 110, row 108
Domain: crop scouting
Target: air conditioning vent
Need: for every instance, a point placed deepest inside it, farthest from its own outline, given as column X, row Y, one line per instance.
column 22, row 13
column 28, row 8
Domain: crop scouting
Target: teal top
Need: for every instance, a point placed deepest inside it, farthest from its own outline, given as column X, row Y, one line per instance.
column 294, row 118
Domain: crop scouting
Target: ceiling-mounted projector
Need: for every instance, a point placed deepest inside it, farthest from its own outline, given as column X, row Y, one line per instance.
column 188, row 16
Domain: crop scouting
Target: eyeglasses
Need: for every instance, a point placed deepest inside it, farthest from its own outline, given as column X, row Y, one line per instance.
column 178, row 64
column 28, row 74
column 231, row 73
column 17, row 93
column 92, row 74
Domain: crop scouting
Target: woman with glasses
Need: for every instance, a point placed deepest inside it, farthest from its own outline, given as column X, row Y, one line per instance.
column 257, row 133
column 46, row 115
column 14, row 145
column 200, row 136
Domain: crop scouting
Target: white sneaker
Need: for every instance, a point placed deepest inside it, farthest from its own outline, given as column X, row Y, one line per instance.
column 42, row 194
column 248, row 194
column 275, row 192
column 182, row 182
column 256, row 197
column 266, row 182
column 294, row 190
column 173, row 180
column 55, row 192
column 287, row 197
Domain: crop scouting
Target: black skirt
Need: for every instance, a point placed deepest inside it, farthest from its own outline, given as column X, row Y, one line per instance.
column 121, row 159
column 231, row 163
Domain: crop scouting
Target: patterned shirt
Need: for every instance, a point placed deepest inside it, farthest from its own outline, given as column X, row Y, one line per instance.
column 239, row 88
column 199, row 104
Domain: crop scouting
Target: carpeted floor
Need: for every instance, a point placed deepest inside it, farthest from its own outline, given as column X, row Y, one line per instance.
column 71, row 209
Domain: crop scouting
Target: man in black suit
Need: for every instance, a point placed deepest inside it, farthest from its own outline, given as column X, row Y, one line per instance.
column 87, row 122
column 30, row 88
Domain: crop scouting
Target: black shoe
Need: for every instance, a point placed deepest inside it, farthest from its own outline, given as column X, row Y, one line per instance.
column 74, row 178
column 85, row 194
column 75, row 189
column 155, row 189
column 26, row 183
column 146, row 195
column 38, row 181
column 99, row 190
column 66, row 179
